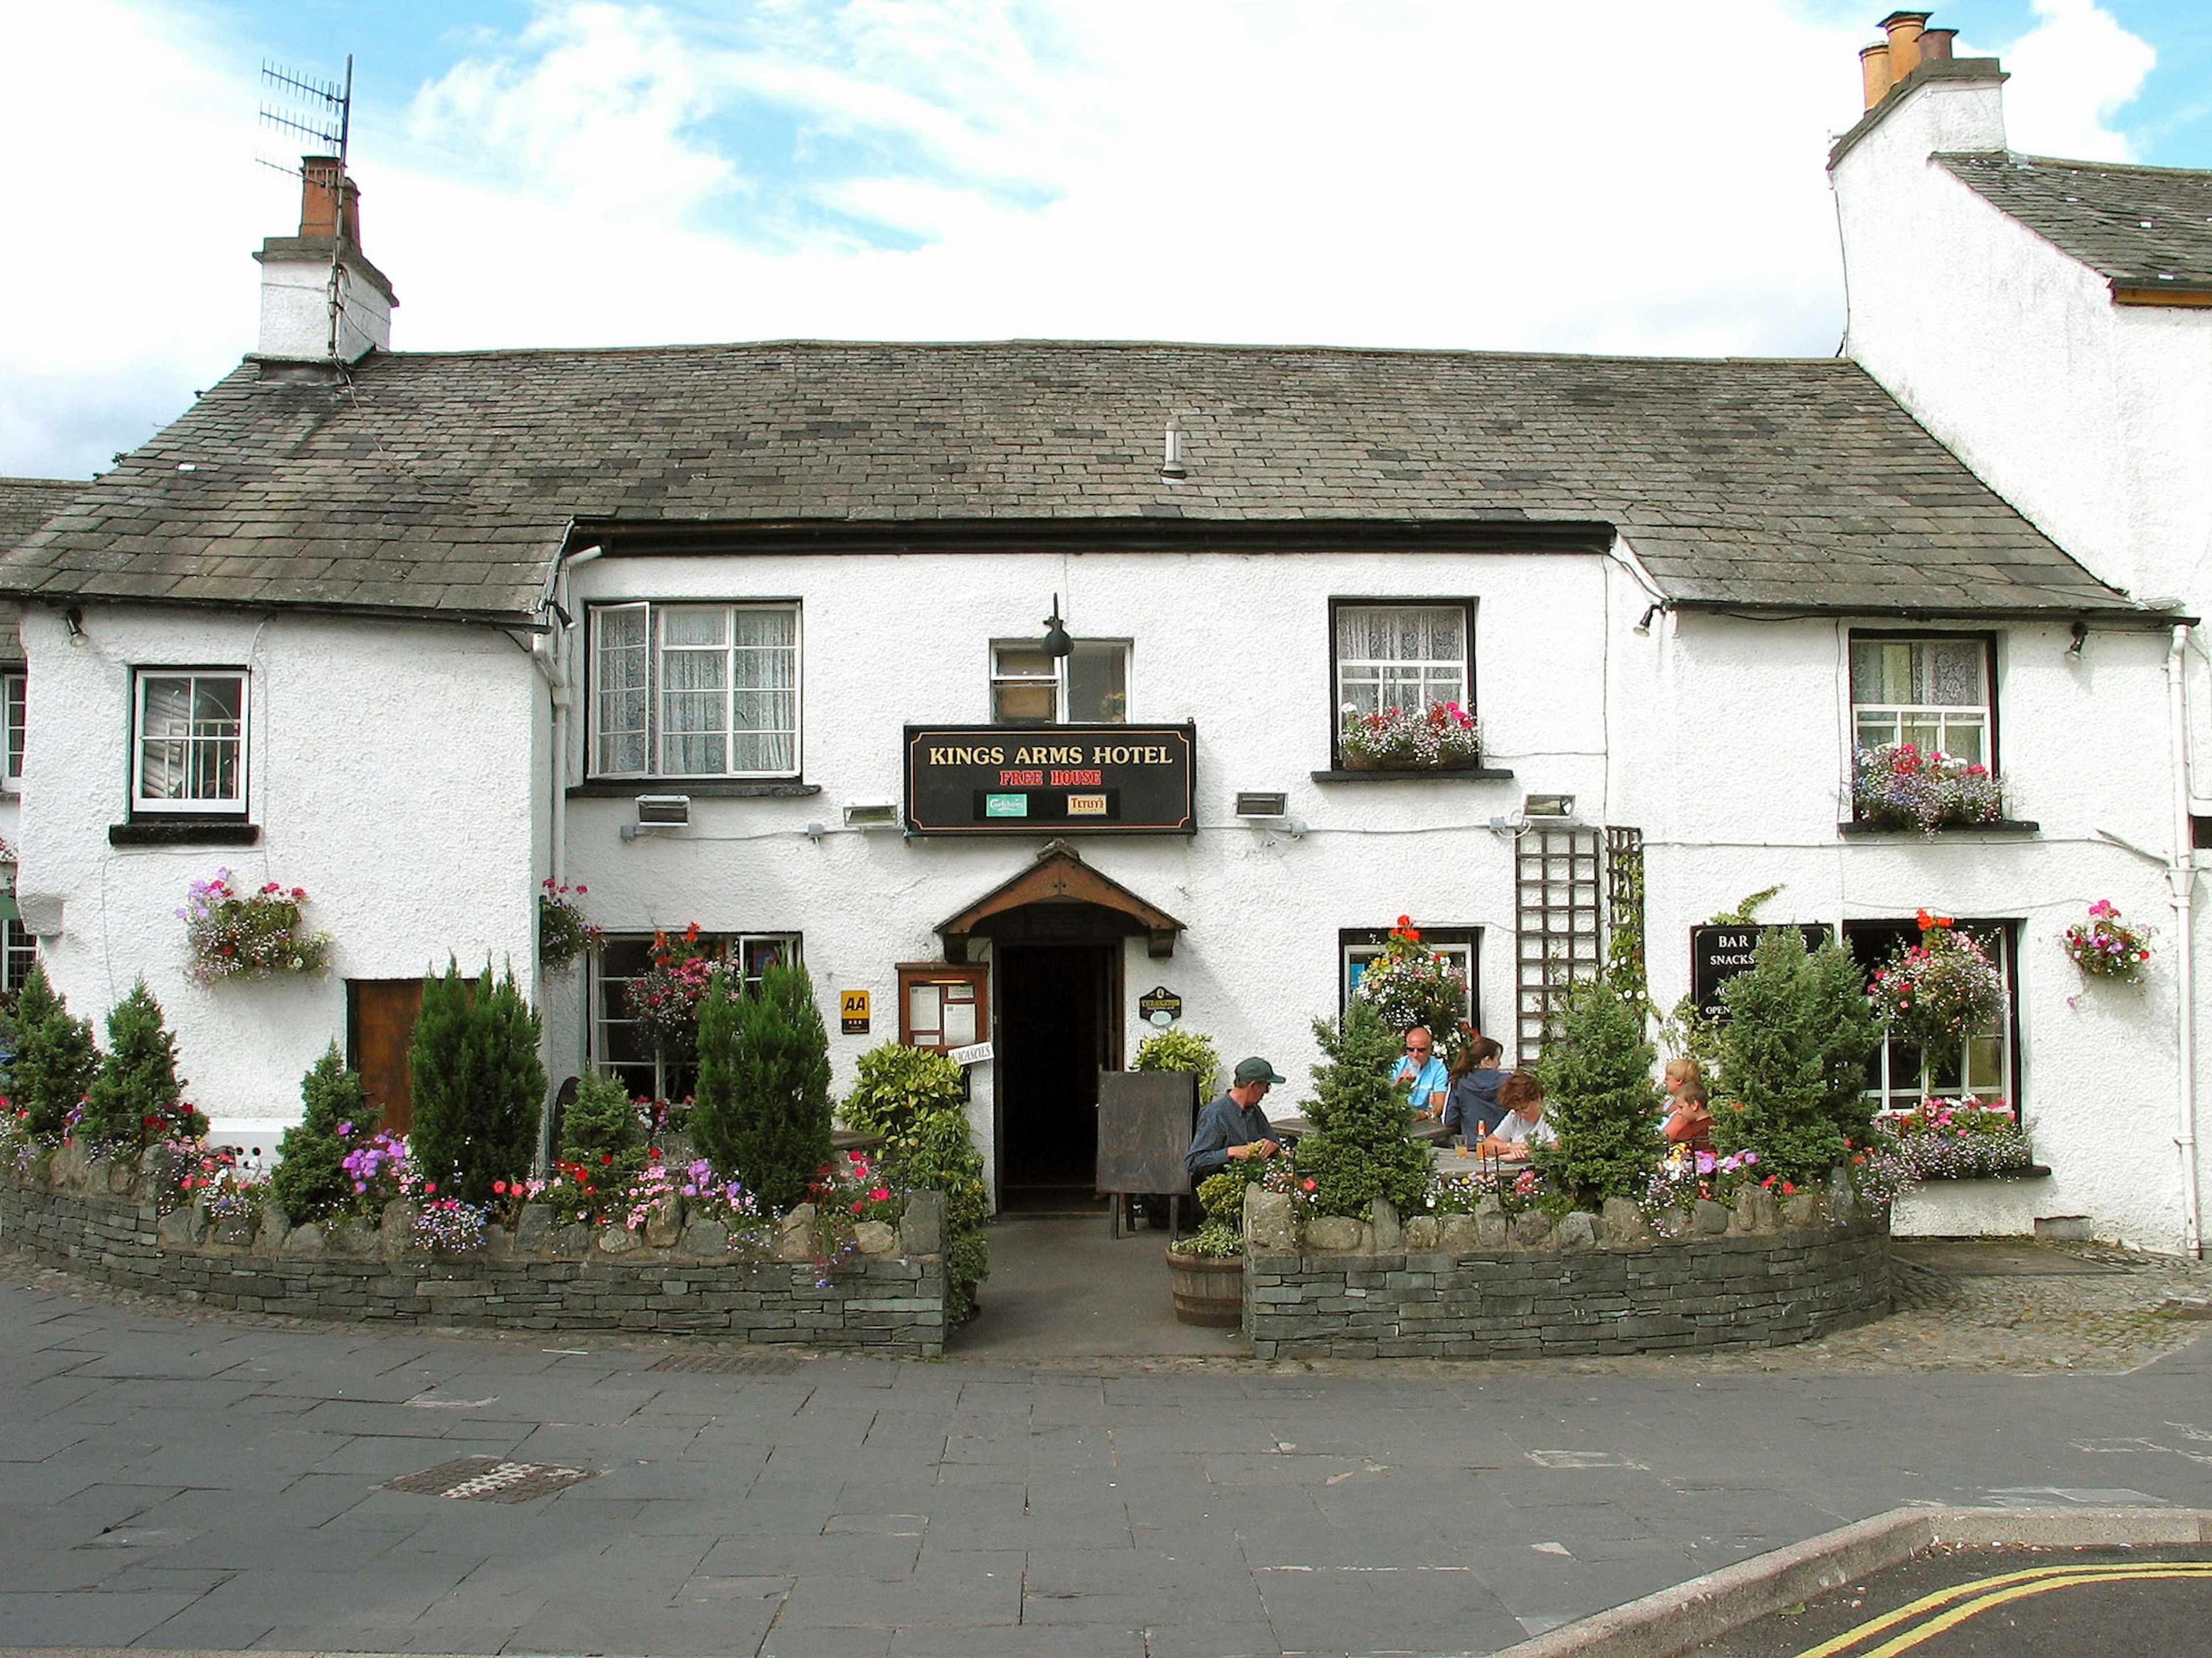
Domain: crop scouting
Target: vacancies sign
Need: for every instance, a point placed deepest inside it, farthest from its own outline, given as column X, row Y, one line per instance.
column 1050, row 780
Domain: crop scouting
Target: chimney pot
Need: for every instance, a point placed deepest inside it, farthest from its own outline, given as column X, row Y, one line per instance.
column 1903, row 29
column 1935, row 44
column 1873, row 70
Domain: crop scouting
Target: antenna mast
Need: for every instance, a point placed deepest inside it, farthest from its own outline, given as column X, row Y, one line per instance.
column 321, row 113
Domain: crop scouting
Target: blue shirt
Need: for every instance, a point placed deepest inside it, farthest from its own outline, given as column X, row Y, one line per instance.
column 1222, row 1124
column 1472, row 1109
column 1431, row 1078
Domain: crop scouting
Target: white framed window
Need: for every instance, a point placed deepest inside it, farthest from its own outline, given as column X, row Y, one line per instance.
column 1901, row 1075
column 1402, row 656
column 695, row 691
column 13, row 685
column 1088, row 686
column 188, row 747
column 1932, row 691
column 622, row 1046
column 19, row 954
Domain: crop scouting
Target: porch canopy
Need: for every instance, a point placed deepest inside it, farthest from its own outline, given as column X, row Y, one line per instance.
column 1059, row 899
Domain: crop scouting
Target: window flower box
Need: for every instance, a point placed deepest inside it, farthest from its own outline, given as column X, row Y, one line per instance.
column 1901, row 785
column 1443, row 737
column 249, row 935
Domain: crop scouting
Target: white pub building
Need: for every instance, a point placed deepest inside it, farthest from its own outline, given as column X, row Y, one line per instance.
column 1003, row 684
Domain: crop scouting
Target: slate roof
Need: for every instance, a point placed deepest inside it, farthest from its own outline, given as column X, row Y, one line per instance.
column 26, row 503
column 445, row 483
column 2140, row 226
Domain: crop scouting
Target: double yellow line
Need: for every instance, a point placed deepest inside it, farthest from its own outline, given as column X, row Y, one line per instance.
column 1947, row 1608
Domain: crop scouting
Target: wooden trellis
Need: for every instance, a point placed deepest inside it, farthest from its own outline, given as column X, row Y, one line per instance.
column 1557, row 936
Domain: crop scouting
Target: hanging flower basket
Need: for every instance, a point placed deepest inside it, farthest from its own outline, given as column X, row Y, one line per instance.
column 563, row 934
column 1410, row 984
column 1936, row 992
column 665, row 997
column 2105, row 947
column 1444, row 736
column 1909, row 788
column 249, row 935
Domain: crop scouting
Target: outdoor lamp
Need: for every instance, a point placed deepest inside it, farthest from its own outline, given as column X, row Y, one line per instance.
column 1056, row 641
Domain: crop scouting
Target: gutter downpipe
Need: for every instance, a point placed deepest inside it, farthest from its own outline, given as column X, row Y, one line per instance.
column 553, row 662
column 2181, row 880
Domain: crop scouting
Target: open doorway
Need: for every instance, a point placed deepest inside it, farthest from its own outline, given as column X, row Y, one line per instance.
column 1059, row 1018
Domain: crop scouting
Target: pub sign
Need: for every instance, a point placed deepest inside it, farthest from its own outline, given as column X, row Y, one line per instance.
column 1718, row 954
column 1050, row 780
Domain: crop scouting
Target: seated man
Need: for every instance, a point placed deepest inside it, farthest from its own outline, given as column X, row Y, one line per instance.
column 1522, row 1128
column 1425, row 1070
column 1471, row 1106
column 1233, row 1128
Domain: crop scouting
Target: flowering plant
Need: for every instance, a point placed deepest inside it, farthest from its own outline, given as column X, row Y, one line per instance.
column 563, row 934
column 665, row 997
column 1959, row 1139
column 1904, row 785
column 576, row 1192
column 1442, row 735
column 447, row 1226
column 236, row 935
column 2105, row 947
column 379, row 1168
column 1516, row 1186
column 1410, row 984
column 1688, row 1174
column 1936, row 992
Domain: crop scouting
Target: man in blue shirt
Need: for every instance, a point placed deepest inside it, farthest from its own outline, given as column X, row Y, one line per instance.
column 1233, row 1127
column 1426, row 1072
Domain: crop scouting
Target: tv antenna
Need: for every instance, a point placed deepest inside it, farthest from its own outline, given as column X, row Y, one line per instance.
column 320, row 112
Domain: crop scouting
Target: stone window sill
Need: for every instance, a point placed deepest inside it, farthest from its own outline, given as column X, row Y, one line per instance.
column 2028, row 1171
column 713, row 788
column 1424, row 775
column 1857, row 827
column 184, row 833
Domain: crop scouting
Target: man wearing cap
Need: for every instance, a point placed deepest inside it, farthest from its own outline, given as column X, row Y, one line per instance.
column 1234, row 1126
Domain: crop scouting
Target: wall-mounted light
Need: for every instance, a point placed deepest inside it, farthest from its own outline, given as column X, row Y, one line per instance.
column 1057, row 644
column 1645, row 626
column 2080, row 631
column 871, row 814
column 657, row 813
column 73, row 619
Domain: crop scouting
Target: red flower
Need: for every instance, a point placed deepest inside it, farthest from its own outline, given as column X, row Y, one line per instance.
column 1405, row 920
column 499, row 1186
column 429, row 1185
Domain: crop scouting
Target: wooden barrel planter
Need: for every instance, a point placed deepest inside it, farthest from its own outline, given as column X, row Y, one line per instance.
column 1207, row 1289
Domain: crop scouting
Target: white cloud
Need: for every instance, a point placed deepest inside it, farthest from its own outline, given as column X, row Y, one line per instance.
column 1430, row 172
column 2071, row 74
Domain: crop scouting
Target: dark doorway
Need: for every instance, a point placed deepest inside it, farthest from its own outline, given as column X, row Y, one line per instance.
column 1058, row 1026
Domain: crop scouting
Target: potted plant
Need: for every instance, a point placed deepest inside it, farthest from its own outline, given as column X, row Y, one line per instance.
column 249, row 935
column 563, row 934
column 1934, row 992
column 1905, row 786
column 1409, row 984
column 1205, row 1271
column 2105, row 947
column 1443, row 737
column 1960, row 1139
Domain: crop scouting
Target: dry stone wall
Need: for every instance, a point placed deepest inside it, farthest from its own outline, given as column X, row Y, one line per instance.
column 1493, row 1286
column 888, row 1295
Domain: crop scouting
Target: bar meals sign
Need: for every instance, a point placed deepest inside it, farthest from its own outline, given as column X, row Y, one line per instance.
column 1718, row 954
column 1050, row 780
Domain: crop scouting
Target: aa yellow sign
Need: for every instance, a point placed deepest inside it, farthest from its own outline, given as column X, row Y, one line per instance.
column 853, row 1012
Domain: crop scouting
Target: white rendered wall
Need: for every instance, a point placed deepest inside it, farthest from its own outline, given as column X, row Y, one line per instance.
column 296, row 311
column 391, row 770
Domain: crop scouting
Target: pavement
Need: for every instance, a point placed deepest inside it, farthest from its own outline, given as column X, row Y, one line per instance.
column 181, row 1479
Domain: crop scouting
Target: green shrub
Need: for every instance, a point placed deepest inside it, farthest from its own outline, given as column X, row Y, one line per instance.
column 600, row 1130
column 135, row 1099
column 56, row 1063
column 1359, row 1150
column 310, row 1181
column 1174, row 1049
column 1851, row 1035
column 1776, row 1054
column 761, row 1111
column 914, row 1098
column 1599, row 1098
column 478, row 1084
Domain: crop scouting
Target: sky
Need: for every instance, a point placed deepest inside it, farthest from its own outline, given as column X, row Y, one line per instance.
column 1590, row 175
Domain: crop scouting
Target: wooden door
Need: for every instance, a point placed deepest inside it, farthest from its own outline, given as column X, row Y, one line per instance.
column 379, row 1026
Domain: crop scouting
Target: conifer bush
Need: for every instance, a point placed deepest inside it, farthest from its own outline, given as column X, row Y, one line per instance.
column 135, row 1099
column 1776, row 1056
column 913, row 1097
column 1359, row 1150
column 310, row 1181
column 1600, row 1099
column 1851, row 1035
column 478, row 1084
column 761, row 1110
column 601, row 1131
column 56, row 1062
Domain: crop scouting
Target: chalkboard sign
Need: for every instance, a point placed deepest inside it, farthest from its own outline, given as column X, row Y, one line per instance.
column 1718, row 954
column 1050, row 780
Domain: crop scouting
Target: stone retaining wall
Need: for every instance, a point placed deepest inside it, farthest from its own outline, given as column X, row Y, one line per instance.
column 1491, row 1286
column 891, row 1301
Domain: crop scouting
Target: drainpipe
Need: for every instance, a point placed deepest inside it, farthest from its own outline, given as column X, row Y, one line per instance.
column 552, row 654
column 2181, row 878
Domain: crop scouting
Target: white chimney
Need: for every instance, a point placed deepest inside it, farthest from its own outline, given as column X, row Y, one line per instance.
column 321, row 300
